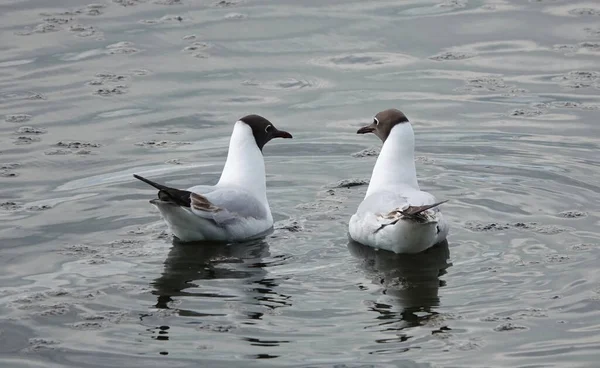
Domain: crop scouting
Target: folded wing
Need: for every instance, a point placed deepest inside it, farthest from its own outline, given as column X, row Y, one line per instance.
column 384, row 202
column 388, row 207
column 225, row 206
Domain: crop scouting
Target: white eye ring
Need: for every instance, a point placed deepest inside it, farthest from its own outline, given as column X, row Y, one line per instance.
column 376, row 121
column 268, row 127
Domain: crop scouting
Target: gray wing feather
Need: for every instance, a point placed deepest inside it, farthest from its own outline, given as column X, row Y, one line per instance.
column 237, row 201
column 232, row 205
column 387, row 201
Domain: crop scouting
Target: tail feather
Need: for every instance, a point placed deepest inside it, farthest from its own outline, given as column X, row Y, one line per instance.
column 176, row 196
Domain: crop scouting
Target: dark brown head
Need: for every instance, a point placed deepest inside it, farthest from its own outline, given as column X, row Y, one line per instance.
column 263, row 130
column 383, row 123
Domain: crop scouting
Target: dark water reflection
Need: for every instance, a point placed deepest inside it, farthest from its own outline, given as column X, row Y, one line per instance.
column 410, row 283
column 188, row 264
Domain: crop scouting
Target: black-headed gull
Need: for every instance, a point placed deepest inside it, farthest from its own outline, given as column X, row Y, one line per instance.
column 236, row 208
column 395, row 214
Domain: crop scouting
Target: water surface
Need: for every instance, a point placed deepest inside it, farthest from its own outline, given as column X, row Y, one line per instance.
column 503, row 96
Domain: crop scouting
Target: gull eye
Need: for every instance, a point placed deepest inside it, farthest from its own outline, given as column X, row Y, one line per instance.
column 269, row 128
column 375, row 121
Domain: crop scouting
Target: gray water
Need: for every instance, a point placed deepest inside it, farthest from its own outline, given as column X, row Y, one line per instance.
column 504, row 99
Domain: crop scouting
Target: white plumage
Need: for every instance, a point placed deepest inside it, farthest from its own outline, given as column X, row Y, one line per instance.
column 395, row 214
column 236, row 208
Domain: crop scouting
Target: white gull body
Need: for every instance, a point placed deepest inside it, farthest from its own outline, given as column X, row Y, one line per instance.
column 236, row 208
column 393, row 188
column 241, row 191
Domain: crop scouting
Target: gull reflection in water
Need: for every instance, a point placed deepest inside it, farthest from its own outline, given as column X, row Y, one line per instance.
column 210, row 275
column 409, row 283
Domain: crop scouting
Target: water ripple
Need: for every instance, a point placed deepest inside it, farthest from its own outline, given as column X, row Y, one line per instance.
column 506, row 128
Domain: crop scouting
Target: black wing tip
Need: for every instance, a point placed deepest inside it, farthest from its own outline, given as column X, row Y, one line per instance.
column 150, row 182
column 138, row 177
column 166, row 194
